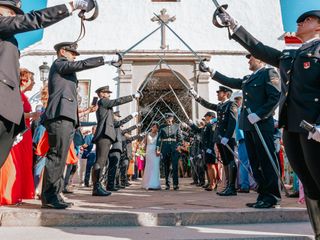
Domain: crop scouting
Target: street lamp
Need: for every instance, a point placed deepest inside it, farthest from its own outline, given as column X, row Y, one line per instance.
column 44, row 72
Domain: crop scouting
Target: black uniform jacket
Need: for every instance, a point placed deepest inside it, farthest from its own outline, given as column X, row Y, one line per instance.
column 105, row 127
column 227, row 115
column 167, row 133
column 11, row 104
column 300, row 78
column 62, row 87
column 261, row 93
column 117, row 145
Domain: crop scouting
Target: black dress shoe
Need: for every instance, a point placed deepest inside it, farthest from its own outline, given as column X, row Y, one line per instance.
column 251, row 205
column 55, row 205
column 175, row 188
column 112, row 189
column 229, row 192
column 206, row 185
column 262, row 204
column 243, row 190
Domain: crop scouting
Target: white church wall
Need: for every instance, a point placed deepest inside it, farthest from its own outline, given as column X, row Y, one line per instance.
column 123, row 22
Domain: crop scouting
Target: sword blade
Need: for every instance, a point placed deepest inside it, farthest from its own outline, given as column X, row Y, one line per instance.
column 171, row 110
column 194, row 53
column 174, row 93
column 216, row 3
column 136, row 44
column 151, row 75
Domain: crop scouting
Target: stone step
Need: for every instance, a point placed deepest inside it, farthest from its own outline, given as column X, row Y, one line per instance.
column 271, row 231
column 79, row 217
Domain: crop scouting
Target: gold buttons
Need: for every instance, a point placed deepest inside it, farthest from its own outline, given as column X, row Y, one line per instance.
column 60, row 12
column 316, row 99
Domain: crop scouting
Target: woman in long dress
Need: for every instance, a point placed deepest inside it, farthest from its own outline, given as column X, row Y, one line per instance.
column 151, row 177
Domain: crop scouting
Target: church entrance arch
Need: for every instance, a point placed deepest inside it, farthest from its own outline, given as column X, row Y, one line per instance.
column 158, row 98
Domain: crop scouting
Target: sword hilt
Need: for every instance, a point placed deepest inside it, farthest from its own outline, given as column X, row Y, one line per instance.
column 307, row 126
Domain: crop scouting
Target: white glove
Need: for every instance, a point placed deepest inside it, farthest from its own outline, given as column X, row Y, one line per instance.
column 86, row 5
column 18, row 139
column 227, row 19
column 139, row 125
column 190, row 121
column 143, row 134
column 209, row 151
column 193, row 93
column 253, row 118
column 137, row 95
column 316, row 135
column 224, row 140
column 109, row 59
column 134, row 114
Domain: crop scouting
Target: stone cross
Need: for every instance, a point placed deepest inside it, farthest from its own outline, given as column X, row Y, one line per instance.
column 165, row 18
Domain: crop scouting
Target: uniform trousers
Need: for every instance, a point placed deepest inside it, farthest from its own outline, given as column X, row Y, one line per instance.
column 7, row 136
column 263, row 171
column 170, row 156
column 226, row 156
column 103, row 145
column 114, row 159
column 60, row 134
column 304, row 157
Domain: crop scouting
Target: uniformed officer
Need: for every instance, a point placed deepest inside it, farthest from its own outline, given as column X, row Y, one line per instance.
column 300, row 93
column 207, row 145
column 116, row 149
column 168, row 145
column 105, row 134
column 61, row 117
column 224, row 134
column 12, row 21
column 261, row 93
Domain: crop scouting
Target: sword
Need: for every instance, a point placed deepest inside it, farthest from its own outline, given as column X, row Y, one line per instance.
column 269, row 154
column 151, row 75
column 147, row 129
column 171, row 110
column 180, row 104
column 220, row 9
column 237, row 157
column 194, row 53
column 174, row 73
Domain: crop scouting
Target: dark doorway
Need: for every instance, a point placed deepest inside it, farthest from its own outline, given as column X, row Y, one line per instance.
column 151, row 102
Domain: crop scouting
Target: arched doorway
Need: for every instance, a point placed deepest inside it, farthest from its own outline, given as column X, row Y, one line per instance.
column 158, row 98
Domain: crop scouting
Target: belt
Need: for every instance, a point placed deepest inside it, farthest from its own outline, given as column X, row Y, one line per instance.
column 169, row 140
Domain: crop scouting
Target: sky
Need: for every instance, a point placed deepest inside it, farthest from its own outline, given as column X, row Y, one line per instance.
column 291, row 10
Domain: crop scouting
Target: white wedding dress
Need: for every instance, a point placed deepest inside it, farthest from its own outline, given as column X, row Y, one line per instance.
column 151, row 176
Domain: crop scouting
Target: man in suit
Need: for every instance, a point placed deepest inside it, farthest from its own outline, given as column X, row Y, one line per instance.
column 169, row 142
column 300, row 91
column 116, row 149
column 61, row 117
column 261, row 93
column 12, row 21
column 105, row 134
column 224, row 134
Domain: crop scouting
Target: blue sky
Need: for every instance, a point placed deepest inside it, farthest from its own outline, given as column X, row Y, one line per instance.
column 27, row 39
column 291, row 9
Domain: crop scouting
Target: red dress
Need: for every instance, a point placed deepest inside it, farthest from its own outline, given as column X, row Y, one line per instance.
column 23, row 153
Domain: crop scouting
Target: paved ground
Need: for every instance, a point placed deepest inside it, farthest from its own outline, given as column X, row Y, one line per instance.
column 133, row 199
column 292, row 231
column 190, row 213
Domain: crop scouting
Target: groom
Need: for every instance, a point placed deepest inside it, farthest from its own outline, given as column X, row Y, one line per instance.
column 168, row 146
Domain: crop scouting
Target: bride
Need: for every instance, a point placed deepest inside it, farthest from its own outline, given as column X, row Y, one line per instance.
column 151, row 177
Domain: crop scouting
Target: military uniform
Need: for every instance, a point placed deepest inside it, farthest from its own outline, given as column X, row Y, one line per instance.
column 168, row 140
column 105, row 135
column 300, row 95
column 226, row 123
column 115, row 153
column 11, row 110
column 261, row 92
column 61, row 118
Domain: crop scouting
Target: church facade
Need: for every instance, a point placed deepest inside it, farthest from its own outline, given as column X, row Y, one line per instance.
column 161, row 62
